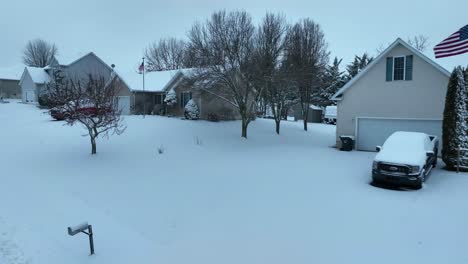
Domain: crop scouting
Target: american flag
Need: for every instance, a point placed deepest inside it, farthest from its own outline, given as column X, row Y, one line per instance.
column 455, row 44
column 141, row 69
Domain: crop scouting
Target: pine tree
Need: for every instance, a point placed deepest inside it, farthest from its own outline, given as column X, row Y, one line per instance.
column 455, row 125
column 358, row 64
column 333, row 80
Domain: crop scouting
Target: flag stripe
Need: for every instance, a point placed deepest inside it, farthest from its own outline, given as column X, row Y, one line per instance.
column 448, row 46
column 448, row 42
column 451, row 54
column 452, row 37
column 455, row 44
column 452, row 50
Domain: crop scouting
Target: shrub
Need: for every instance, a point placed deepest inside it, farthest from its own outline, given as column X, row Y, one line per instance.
column 191, row 110
column 213, row 117
column 171, row 97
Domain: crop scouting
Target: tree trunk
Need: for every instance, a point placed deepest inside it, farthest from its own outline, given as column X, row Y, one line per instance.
column 93, row 145
column 305, row 115
column 244, row 127
column 277, row 121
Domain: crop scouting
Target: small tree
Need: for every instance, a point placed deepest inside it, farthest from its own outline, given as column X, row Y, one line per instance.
column 455, row 127
column 305, row 59
column 39, row 53
column 171, row 98
column 269, row 47
column 191, row 110
column 91, row 105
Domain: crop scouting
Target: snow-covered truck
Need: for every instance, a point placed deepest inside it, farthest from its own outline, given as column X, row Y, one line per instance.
column 329, row 116
column 405, row 159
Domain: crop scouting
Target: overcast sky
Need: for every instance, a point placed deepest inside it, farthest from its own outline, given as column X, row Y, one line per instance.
column 119, row 31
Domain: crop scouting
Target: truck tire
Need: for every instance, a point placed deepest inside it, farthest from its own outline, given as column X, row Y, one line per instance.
column 434, row 164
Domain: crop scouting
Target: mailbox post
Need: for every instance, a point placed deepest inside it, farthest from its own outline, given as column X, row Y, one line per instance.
column 86, row 229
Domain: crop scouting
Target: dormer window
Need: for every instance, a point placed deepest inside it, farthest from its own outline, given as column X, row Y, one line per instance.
column 400, row 68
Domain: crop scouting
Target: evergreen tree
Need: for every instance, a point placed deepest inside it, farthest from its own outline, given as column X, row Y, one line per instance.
column 358, row 64
column 333, row 80
column 455, row 127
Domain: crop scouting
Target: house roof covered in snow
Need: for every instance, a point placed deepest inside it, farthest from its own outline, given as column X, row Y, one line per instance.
column 382, row 55
column 156, row 81
column 38, row 75
column 12, row 73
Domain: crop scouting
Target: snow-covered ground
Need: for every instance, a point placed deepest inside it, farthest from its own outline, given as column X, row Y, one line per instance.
column 268, row 199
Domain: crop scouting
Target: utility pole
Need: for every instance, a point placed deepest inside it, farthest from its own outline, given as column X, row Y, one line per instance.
column 143, row 73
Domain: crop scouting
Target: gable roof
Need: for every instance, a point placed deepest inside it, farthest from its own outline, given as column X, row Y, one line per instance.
column 156, row 81
column 12, row 73
column 38, row 75
column 340, row 92
column 87, row 55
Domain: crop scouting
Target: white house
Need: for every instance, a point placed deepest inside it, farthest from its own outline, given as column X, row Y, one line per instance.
column 401, row 89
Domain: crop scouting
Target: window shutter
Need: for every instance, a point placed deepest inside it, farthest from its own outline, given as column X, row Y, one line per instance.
column 389, row 69
column 409, row 68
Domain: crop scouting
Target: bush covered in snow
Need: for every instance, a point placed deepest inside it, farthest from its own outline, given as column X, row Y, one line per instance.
column 455, row 124
column 171, row 97
column 191, row 110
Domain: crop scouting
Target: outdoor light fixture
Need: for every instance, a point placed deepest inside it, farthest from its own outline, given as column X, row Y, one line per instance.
column 81, row 228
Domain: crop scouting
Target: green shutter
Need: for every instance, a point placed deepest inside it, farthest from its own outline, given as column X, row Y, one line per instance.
column 389, row 69
column 409, row 68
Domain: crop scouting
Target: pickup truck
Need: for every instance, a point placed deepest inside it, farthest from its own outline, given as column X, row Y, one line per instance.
column 330, row 114
column 405, row 159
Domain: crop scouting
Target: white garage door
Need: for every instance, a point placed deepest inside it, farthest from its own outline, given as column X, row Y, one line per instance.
column 123, row 103
column 30, row 96
column 372, row 132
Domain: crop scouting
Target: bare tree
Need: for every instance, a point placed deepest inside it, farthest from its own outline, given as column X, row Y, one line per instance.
column 167, row 54
column 419, row 42
column 89, row 103
column 223, row 49
column 39, row 53
column 269, row 46
column 306, row 58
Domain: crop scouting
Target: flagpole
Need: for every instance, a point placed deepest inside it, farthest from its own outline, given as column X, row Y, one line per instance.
column 143, row 73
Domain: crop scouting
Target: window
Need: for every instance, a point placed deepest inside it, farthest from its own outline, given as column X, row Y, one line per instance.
column 159, row 99
column 184, row 98
column 398, row 68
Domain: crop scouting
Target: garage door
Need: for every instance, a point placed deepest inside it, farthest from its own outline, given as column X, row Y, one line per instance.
column 123, row 103
column 372, row 132
column 30, row 96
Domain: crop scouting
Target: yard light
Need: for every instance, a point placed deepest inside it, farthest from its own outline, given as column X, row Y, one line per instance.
column 81, row 228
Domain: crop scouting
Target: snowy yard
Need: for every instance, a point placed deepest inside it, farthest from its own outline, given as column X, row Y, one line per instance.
column 269, row 199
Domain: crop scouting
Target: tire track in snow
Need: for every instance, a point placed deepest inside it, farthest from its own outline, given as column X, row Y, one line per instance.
column 10, row 253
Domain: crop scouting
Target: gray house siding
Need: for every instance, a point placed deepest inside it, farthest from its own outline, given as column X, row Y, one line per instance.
column 87, row 65
column 208, row 103
column 10, row 89
column 423, row 97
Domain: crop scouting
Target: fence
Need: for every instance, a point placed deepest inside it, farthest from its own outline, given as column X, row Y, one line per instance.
column 461, row 157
